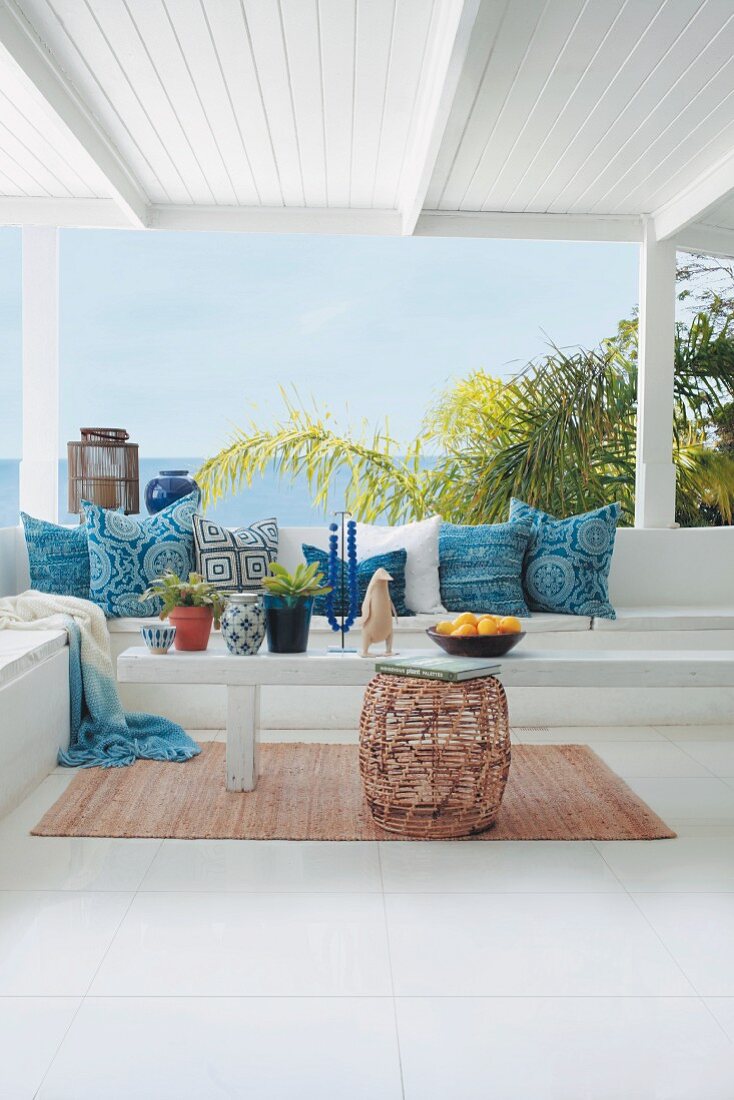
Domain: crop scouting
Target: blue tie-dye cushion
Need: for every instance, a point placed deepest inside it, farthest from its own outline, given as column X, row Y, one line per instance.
column 58, row 557
column 394, row 561
column 127, row 553
column 480, row 568
column 567, row 562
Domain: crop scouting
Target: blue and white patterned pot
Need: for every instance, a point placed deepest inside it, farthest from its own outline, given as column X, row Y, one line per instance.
column 158, row 639
column 243, row 623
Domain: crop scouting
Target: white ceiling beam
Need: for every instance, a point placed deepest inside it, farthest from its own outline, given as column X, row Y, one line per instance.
column 529, row 226
column 20, row 45
column 105, row 214
column 278, row 219
column 710, row 239
column 706, row 192
column 450, row 39
column 64, row 213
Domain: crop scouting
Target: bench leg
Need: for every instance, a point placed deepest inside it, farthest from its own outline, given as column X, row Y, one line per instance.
column 243, row 721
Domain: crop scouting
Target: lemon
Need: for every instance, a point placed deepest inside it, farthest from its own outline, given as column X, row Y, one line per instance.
column 466, row 618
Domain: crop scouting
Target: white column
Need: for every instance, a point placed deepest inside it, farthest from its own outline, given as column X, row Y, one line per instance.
column 655, row 481
column 39, row 467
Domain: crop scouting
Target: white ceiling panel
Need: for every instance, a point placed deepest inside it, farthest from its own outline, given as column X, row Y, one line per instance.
column 36, row 157
column 684, row 79
column 304, row 103
column 588, row 106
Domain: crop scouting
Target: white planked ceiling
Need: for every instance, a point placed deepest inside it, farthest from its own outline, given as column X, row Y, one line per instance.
column 255, row 103
column 37, row 157
column 214, row 113
column 588, row 106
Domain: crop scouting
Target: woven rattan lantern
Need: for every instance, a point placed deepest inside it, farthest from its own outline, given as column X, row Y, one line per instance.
column 103, row 468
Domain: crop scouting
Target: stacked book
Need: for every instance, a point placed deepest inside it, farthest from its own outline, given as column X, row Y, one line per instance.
column 453, row 669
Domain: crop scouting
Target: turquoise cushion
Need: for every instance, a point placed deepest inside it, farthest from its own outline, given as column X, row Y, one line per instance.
column 567, row 563
column 127, row 553
column 58, row 557
column 394, row 561
column 480, row 568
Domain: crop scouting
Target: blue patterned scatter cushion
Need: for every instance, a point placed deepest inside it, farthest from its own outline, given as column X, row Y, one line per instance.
column 127, row 553
column 393, row 560
column 480, row 568
column 567, row 563
column 58, row 557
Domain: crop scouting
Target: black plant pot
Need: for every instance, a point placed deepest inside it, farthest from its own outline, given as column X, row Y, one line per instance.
column 287, row 621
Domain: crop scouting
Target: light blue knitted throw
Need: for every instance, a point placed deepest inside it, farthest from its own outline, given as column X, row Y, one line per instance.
column 102, row 733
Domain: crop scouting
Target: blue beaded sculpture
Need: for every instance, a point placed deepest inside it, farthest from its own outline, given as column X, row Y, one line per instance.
column 338, row 582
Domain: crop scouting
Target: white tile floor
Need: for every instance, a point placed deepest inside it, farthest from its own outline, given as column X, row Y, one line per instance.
column 538, row 971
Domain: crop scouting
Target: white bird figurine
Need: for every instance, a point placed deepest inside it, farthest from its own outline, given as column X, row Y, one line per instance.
column 378, row 613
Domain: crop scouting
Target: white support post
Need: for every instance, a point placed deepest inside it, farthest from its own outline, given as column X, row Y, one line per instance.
column 655, row 482
column 243, row 735
column 39, row 467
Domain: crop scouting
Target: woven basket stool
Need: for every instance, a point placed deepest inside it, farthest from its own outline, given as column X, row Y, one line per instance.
column 434, row 756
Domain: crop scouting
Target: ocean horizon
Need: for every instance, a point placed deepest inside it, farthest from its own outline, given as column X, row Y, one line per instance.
column 289, row 502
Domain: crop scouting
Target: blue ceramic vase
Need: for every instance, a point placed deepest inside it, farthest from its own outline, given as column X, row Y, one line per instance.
column 168, row 487
column 243, row 623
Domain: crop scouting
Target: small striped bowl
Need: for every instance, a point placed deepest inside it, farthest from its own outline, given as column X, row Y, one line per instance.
column 158, row 639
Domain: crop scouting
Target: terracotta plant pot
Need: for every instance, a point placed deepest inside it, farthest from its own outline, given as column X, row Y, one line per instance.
column 193, row 627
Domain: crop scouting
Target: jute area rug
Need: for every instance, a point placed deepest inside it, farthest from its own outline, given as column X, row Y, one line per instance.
column 314, row 792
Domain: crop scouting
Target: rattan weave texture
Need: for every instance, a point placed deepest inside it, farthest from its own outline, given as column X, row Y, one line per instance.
column 434, row 756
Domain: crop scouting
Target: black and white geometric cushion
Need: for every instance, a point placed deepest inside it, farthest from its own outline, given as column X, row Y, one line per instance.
column 235, row 560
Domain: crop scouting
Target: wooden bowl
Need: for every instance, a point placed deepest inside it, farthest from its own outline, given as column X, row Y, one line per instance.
column 488, row 645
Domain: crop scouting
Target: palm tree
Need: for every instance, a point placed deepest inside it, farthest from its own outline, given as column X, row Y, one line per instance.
column 561, row 435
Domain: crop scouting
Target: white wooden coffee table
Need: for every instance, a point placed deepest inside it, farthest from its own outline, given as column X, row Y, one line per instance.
column 244, row 676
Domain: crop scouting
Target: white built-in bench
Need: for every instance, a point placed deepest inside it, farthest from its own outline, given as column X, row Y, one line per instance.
column 34, row 709
column 673, row 590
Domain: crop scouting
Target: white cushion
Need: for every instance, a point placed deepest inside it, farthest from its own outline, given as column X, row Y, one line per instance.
column 21, row 650
column 420, row 540
column 668, row 618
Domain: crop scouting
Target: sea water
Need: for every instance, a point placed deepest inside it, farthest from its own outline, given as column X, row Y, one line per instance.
column 289, row 501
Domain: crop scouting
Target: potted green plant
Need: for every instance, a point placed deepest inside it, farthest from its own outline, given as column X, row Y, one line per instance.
column 288, row 605
column 190, row 605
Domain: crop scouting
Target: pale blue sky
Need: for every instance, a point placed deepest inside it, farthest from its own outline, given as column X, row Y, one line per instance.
column 177, row 336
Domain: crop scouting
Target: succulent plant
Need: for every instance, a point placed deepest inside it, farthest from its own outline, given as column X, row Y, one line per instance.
column 304, row 582
column 194, row 592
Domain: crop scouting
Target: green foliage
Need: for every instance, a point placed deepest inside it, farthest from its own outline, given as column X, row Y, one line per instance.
column 561, row 435
column 305, row 442
column 556, row 435
column 707, row 283
column 194, row 592
column 305, row 582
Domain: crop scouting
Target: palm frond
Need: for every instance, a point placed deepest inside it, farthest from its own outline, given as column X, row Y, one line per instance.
column 303, row 444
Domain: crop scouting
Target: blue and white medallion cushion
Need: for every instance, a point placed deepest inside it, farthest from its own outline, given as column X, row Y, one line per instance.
column 235, row 560
column 127, row 553
column 567, row 563
column 394, row 561
column 58, row 557
column 480, row 568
